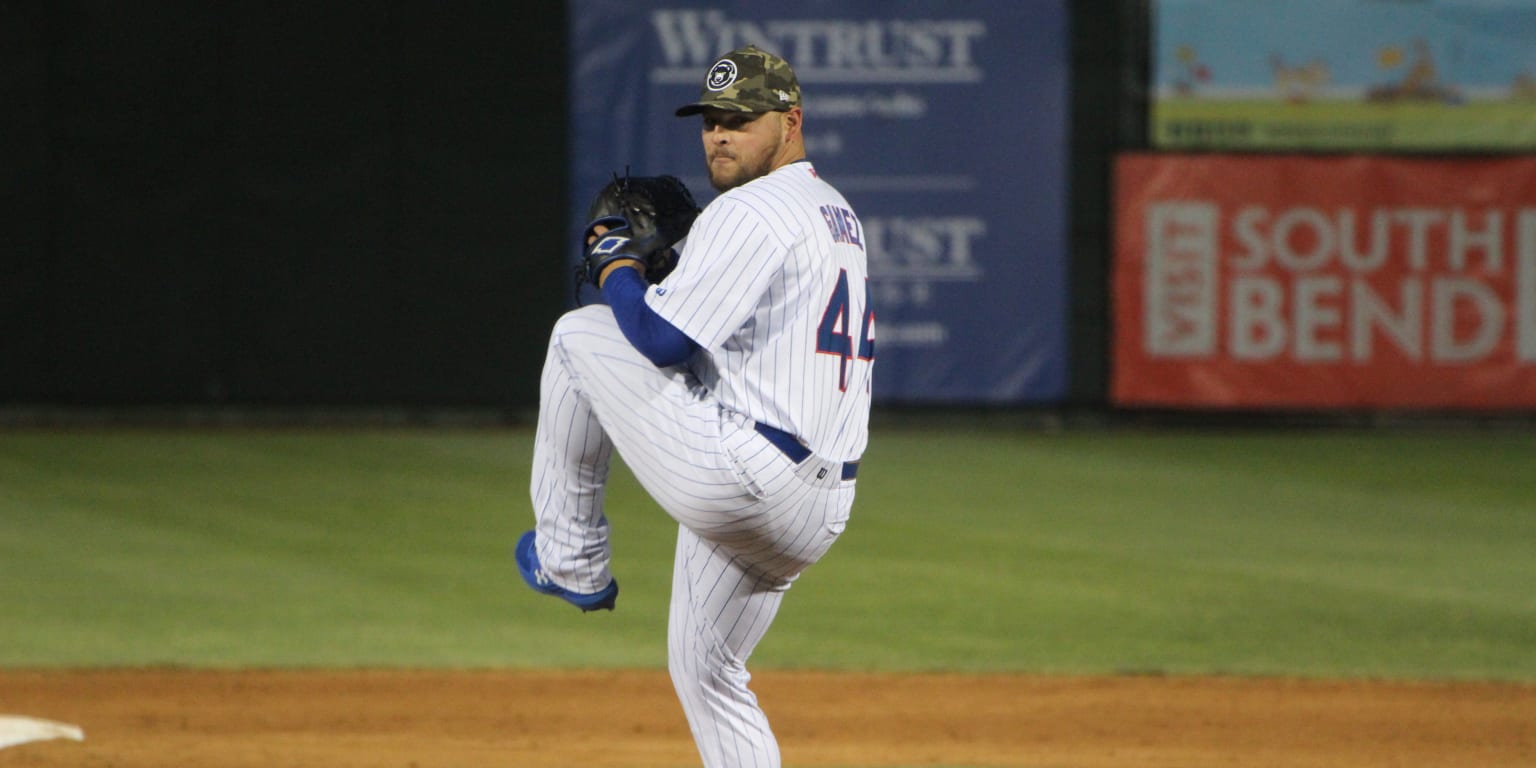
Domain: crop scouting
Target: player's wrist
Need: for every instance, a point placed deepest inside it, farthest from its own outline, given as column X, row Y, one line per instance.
column 635, row 264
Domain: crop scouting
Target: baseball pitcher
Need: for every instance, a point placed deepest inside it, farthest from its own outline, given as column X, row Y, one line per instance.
column 734, row 379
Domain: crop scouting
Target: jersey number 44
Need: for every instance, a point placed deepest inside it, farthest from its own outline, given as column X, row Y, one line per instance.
column 833, row 337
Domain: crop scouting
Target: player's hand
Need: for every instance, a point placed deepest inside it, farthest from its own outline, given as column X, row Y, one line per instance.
column 609, row 246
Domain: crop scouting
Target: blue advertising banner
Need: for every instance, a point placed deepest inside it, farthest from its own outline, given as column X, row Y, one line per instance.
column 944, row 124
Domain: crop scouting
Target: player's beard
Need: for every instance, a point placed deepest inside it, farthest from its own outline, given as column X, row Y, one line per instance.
column 743, row 170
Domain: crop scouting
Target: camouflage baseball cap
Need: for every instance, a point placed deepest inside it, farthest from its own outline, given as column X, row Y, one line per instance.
column 747, row 79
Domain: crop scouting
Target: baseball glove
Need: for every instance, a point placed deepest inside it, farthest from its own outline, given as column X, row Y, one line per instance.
column 653, row 212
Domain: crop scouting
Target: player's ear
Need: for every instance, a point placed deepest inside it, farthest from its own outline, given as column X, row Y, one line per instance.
column 791, row 122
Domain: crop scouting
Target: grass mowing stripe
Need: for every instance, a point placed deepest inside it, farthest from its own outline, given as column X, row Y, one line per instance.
column 1381, row 554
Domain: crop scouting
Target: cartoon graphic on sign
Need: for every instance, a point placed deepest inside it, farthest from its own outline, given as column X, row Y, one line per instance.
column 1421, row 81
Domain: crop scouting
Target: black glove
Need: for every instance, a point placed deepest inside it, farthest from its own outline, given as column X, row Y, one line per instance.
column 654, row 212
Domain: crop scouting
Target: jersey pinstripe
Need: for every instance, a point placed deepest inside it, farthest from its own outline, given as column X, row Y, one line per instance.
column 772, row 285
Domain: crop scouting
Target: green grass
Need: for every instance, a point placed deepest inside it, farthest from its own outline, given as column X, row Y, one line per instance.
column 1388, row 554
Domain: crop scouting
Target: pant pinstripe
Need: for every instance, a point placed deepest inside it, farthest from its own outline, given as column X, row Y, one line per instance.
column 750, row 519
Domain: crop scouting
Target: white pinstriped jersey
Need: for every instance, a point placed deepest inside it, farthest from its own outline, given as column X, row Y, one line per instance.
column 772, row 284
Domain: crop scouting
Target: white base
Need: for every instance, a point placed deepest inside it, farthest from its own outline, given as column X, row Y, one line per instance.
column 15, row 729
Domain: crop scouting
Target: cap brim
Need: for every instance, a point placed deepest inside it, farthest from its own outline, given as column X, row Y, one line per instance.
column 724, row 105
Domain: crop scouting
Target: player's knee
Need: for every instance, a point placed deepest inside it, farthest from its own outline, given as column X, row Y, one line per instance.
column 682, row 675
column 591, row 321
column 582, row 319
column 708, row 677
column 681, row 664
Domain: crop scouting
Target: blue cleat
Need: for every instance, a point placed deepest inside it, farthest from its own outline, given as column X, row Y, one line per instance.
column 533, row 573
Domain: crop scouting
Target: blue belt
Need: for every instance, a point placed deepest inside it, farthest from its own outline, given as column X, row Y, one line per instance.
column 795, row 450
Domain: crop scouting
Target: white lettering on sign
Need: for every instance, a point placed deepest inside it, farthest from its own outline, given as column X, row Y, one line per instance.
column 1323, row 285
column 824, row 50
column 926, row 334
column 1525, row 288
column 1305, row 238
column 908, row 254
column 1305, row 316
column 1180, row 280
column 936, row 248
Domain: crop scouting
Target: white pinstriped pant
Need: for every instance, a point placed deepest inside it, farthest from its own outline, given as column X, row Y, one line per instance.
column 750, row 519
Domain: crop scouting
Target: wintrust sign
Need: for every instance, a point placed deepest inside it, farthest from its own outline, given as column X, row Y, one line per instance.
column 868, row 50
column 1325, row 282
column 969, row 286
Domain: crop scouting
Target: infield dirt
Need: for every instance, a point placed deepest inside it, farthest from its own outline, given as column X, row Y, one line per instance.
column 160, row 718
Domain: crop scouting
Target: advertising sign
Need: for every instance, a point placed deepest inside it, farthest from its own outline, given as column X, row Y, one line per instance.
column 1344, row 74
column 1327, row 282
column 945, row 126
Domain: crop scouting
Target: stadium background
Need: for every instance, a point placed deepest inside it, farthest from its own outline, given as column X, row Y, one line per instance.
column 255, row 208
column 299, row 212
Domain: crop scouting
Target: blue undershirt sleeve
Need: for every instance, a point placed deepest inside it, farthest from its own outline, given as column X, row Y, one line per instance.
column 660, row 341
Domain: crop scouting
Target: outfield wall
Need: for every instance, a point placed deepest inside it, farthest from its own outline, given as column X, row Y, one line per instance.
column 234, row 208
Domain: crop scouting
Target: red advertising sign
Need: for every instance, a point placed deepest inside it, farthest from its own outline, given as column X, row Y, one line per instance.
column 1325, row 282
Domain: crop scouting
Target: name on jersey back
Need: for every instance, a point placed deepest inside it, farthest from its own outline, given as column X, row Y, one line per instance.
column 844, row 225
